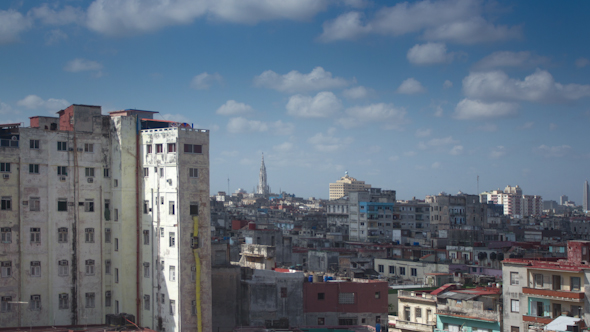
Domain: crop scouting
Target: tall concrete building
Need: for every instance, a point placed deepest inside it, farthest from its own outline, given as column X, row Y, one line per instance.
column 514, row 202
column 586, row 197
column 563, row 199
column 105, row 214
column 345, row 185
column 263, row 188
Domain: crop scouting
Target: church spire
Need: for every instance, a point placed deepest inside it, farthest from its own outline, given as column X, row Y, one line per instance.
column 262, row 188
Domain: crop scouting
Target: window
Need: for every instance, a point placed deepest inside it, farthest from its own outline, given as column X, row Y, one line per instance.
column 193, row 273
column 146, row 270
column 418, row 313
column 193, row 148
column 62, row 268
column 514, row 305
column 171, row 207
column 62, row 146
column 381, row 268
column 116, row 214
column 347, row 321
column 35, row 269
column 171, row 239
column 172, row 274
column 391, row 269
column 402, row 271
column 6, row 235
column 6, row 203
column 159, row 148
column 89, row 267
column 575, row 284
column 414, row 272
column 35, row 303
column 6, row 267
column 146, row 302
column 89, row 300
column 62, row 170
column 116, row 244
column 35, row 235
column 146, row 237
column 4, row 167
column 107, row 298
column 193, row 172
column 88, row 147
column 145, row 206
column 407, row 314
column 89, row 205
column 107, row 266
column 538, row 280
column 34, row 144
column 193, row 308
column 161, row 231
column 34, row 168
column 377, row 295
column 163, row 298
column 34, row 204
column 172, row 307
column 161, row 175
column 115, row 183
column 149, row 148
column 346, row 298
column 321, row 321
column 89, row 235
column 89, row 171
column 194, row 209
column 171, row 147
column 106, row 172
column 6, row 304
column 62, row 204
column 116, row 275
column 62, row 235
column 146, row 172
column 64, row 303
column 107, row 235
column 283, row 292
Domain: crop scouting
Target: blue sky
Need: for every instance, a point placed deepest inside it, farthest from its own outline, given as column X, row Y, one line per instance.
column 419, row 97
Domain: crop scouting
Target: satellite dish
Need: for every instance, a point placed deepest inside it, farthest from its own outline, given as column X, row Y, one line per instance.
column 14, row 138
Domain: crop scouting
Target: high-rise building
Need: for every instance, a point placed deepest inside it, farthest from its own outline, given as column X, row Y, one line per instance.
column 515, row 203
column 586, row 198
column 345, row 185
column 105, row 214
column 263, row 188
column 563, row 199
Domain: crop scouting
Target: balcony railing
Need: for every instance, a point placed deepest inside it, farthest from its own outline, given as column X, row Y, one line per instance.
column 537, row 319
column 556, row 294
column 406, row 325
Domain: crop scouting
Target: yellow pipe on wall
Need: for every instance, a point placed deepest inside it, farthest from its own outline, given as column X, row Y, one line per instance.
column 198, row 273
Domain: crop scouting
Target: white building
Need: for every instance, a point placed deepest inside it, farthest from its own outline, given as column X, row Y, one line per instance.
column 345, row 185
column 103, row 215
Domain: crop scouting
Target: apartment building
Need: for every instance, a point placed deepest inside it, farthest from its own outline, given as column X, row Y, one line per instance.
column 515, row 204
column 345, row 185
column 478, row 309
column 417, row 311
column 538, row 291
column 104, row 214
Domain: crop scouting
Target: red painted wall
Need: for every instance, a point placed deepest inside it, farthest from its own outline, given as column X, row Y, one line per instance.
column 364, row 298
column 64, row 119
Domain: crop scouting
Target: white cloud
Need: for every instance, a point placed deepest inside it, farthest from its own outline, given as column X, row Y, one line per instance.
column 64, row 16
column 527, row 125
column 231, row 107
column 393, row 158
column 294, row 81
column 175, row 117
column 442, row 141
column 204, row 80
column 447, row 84
column 128, row 17
column 457, row 21
column 410, row 153
column 233, row 153
column 582, row 62
column 281, row 128
column 358, row 92
column 423, row 132
column 389, row 116
column 323, row 105
column 552, row 126
column 497, row 152
column 5, row 109
column 456, row 150
column 552, row 151
column 435, row 165
column 284, row 147
column 429, row 54
column 438, row 111
column 55, row 36
column 329, row 143
column 35, row 102
column 78, row 65
column 468, row 109
column 374, row 149
column 12, row 23
column 510, row 59
column 488, row 127
column 240, row 125
column 410, row 86
column 537, row 87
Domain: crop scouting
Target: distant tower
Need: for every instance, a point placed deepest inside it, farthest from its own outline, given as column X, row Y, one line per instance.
column 586, row 199
column 263, row 188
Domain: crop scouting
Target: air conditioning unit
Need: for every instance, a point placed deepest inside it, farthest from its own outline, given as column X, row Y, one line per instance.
column 90, row 180
column 169, row 181
column 6, row 176
column 62, row 178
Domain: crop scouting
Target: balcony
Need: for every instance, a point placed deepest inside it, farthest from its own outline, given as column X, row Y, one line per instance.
column 537, row 319
column 423, row 297
column 412, row 326
column 555, row 294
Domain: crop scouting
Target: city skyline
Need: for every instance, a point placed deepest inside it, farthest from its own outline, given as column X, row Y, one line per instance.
column 418, row 97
